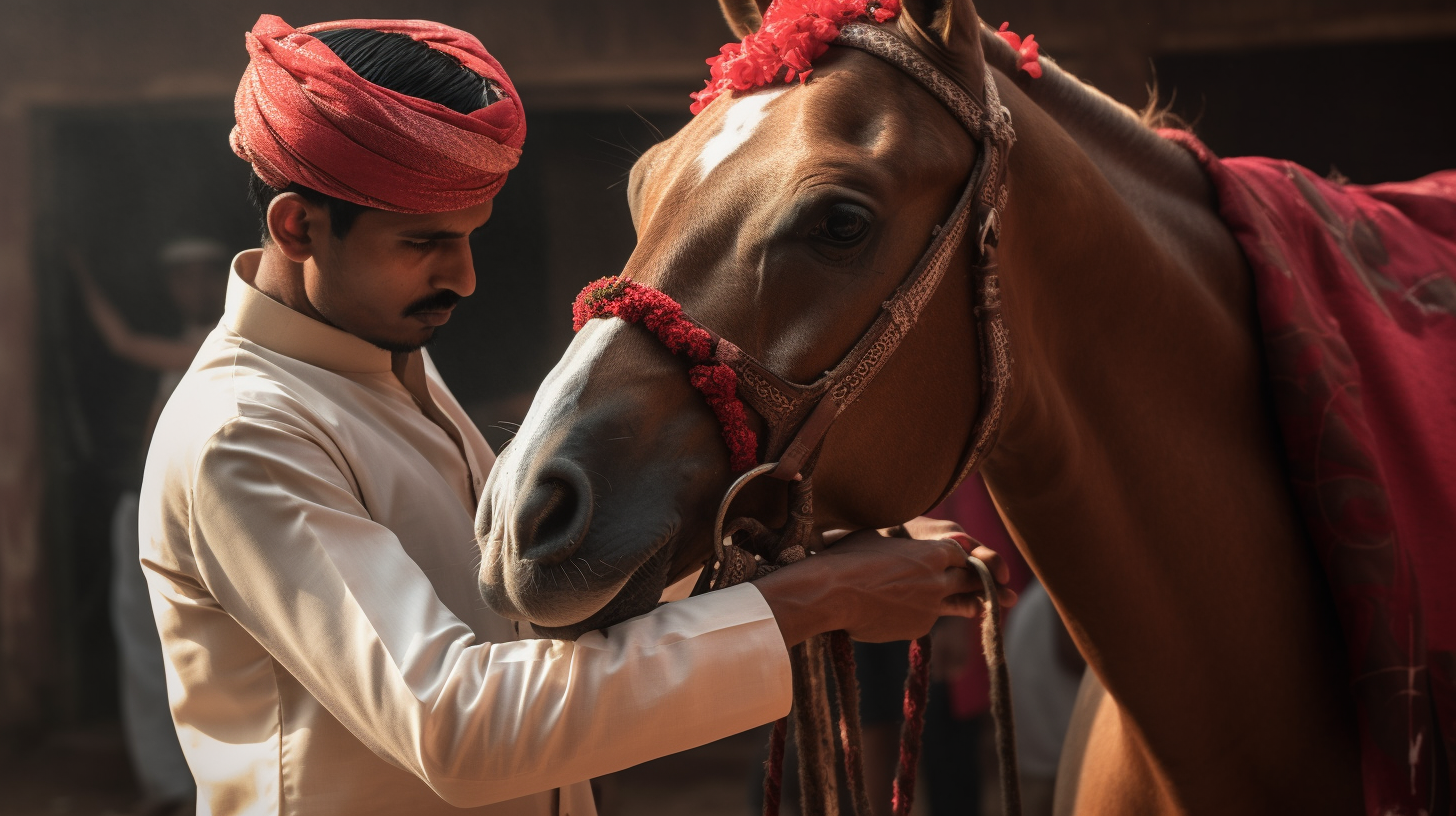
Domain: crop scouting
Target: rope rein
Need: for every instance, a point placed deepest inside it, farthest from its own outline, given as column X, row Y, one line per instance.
column 994, row 647
column 818, row 774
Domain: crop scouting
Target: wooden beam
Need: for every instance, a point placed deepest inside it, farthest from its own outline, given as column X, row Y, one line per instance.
column 1372, row 27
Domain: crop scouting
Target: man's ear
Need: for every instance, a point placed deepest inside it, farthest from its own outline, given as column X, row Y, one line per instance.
column 947, row 32
column 293, row 223
column 743, row 16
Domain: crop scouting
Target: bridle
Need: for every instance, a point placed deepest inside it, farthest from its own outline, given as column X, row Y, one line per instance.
column 797, row 416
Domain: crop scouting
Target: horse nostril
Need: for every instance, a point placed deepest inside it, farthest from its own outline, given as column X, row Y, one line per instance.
column 554, row 518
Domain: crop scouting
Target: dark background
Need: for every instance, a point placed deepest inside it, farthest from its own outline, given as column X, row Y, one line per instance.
column 1372, row 111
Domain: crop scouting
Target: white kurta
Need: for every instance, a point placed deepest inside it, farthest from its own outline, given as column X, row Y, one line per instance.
column 307, row 532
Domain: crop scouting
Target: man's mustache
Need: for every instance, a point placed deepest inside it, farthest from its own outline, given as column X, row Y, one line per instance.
column 438, row 302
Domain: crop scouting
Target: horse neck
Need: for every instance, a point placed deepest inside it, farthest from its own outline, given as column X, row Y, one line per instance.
column 1136, row 465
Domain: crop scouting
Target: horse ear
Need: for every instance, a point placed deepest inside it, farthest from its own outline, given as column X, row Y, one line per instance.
column 743, row 16
column 948, row 31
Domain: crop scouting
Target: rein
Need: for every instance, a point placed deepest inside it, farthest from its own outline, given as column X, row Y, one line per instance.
column 797, row 417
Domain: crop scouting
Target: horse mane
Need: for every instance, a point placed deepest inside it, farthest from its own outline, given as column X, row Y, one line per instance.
column 1157, row 113
column 1066, row 94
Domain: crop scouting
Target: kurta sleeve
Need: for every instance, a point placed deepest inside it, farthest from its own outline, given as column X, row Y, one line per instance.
column 283, row 543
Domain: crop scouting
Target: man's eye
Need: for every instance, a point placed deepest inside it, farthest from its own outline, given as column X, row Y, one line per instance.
column 844, row 224
column 422, row 246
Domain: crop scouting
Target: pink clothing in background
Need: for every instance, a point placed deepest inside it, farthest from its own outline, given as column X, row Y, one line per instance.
column 970, row 506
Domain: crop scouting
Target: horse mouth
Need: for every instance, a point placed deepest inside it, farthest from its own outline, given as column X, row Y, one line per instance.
column 638, row 596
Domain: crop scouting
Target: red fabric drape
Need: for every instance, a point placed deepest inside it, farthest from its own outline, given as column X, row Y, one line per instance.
column 1356, row 293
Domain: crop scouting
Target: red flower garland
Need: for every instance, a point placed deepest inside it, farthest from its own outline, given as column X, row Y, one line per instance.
column 1028, row 51
column 622, row 298
column 794, row 33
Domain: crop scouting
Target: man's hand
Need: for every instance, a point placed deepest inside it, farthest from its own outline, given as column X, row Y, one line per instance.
column 877, row 588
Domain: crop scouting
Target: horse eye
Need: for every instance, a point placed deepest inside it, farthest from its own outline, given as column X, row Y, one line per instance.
column 844, row 224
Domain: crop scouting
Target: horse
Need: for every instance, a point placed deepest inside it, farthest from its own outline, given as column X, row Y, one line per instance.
column 1136, row 464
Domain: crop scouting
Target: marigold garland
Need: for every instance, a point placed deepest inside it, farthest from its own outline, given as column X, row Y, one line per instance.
column 633, row 302
column 794, row 33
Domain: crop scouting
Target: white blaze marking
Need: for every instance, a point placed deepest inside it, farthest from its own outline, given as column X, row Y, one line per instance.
column 738, row 126
column 559, row 394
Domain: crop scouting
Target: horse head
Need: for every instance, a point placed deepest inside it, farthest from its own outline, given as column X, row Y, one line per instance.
column 782, row 218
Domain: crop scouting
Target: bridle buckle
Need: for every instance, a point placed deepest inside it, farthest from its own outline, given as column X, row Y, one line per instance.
column 989, row 236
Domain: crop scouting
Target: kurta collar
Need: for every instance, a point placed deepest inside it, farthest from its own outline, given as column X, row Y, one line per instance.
column 263, row 320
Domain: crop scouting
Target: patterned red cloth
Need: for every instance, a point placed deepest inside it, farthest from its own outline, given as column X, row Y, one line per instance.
column 1356, row 294
column 304, row 116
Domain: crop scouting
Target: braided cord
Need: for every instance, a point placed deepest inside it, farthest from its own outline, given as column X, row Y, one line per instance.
column 917, row 688
column 620, row 297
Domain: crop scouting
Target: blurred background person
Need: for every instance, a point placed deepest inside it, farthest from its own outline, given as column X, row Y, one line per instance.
column 195, row 272
column 1046, row 671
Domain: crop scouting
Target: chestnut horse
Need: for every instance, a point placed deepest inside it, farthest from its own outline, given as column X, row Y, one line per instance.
column 1136, row 465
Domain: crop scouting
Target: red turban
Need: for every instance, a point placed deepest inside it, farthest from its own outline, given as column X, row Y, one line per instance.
column 304, row 116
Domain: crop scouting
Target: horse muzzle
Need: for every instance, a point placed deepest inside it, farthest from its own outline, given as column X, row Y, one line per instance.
column 581, row 523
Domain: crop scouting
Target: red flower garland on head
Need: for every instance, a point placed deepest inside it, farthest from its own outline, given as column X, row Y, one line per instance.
column 622, row 298
column 794, row 34
column 1028, row 51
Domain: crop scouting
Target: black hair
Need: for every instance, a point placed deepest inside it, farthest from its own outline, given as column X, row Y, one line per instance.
column 403, row 65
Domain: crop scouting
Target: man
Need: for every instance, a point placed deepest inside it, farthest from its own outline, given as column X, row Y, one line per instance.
column 308, row 506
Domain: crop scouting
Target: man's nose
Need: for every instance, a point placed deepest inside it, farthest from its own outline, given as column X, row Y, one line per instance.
column 457, row 273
